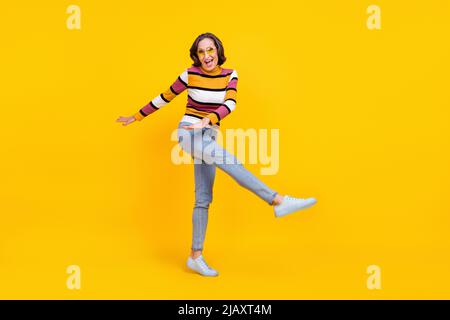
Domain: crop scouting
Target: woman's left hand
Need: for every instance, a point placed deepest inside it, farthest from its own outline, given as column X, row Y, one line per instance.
column 201, row 124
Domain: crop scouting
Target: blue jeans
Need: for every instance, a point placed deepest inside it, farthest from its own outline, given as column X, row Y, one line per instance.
column 207, row 155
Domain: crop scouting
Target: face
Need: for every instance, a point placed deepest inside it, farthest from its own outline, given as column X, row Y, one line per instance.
column 207, row 54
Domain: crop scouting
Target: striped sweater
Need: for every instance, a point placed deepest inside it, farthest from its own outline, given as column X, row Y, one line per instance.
column 210, row 94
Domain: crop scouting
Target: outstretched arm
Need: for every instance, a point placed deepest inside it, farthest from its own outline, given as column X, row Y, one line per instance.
column 178, row 86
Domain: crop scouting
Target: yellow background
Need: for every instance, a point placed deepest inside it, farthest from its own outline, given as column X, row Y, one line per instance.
column 364, row 127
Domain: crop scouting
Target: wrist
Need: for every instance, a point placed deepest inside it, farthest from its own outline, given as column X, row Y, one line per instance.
column 212, row 118
column 138, row 116
column 206, row 120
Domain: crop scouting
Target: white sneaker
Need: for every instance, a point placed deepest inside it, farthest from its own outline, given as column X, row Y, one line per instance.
column 291, row 204
column 199, row 265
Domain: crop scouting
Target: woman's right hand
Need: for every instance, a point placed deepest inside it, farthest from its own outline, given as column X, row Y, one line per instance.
column 126, row 120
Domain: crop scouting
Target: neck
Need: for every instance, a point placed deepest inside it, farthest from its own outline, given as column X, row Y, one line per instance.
column 216, row 70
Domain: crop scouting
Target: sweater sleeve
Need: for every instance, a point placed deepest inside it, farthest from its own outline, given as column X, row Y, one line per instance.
column 229, row 103
column 178, row 86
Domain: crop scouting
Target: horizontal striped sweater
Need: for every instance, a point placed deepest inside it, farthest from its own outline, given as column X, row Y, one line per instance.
column 210, row 94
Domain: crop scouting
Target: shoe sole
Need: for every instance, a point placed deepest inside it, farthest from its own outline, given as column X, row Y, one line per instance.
column 304, row 207
column 199, row 273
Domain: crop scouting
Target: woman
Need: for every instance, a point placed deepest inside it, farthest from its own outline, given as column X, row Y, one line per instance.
column 211, row 97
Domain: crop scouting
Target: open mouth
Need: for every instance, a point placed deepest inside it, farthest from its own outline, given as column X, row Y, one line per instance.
column 209, row 63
